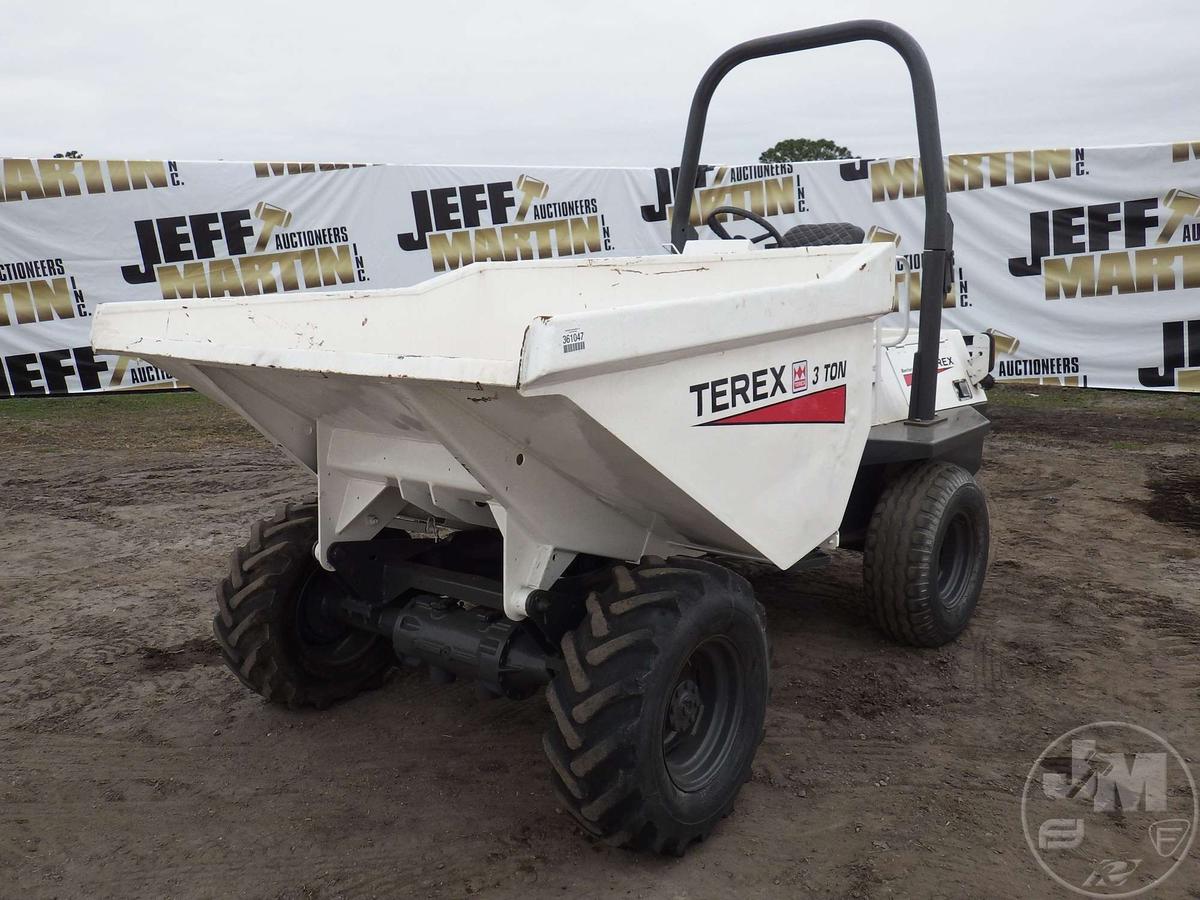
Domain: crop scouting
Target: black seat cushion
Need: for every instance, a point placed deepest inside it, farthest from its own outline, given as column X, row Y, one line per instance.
column 823, row 235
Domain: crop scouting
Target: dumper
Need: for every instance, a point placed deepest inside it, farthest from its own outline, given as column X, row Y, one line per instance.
column 547, row 474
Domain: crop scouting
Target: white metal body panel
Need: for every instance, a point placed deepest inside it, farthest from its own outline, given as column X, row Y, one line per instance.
column 896, row 369
column 717, row 400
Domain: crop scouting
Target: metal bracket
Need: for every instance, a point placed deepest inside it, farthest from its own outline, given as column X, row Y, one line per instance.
column 529, row 564
column 904, row 300
column 925, row 423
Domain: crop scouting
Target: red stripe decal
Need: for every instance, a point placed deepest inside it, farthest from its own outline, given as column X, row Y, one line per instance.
column 827, row 406
column 908, row 377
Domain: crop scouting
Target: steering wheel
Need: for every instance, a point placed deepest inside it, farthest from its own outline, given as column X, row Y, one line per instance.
column 769, row 230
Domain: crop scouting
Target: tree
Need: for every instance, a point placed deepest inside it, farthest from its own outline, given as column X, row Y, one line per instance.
column 70, row 154
column 804, row 150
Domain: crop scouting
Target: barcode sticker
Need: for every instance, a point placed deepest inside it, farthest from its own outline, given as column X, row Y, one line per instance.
column 573, row 340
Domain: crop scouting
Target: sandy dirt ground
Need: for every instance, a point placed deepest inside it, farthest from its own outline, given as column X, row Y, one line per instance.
column 133, row 765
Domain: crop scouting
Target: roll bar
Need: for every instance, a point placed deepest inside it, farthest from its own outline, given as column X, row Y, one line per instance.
column 937, row 256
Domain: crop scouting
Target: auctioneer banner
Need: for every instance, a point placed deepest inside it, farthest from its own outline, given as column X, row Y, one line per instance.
column 1084, row 263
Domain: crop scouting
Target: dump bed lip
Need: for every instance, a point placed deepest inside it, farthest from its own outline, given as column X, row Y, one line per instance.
column 189, row 331
column 651, row 333
column 366, row 365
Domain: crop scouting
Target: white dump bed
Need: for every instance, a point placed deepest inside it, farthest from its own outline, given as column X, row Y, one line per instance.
column 618, row 406
column 468, row 325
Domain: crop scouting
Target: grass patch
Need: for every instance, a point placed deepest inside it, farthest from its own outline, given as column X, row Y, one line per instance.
column 1049, row 399
column 186, row 420
column 1037, row 396
column 176, row 420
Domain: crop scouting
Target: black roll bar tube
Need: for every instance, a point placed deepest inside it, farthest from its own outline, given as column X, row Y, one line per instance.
column 937, row 256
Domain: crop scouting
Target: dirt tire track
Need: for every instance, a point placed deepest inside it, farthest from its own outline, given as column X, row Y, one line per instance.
column 131, row 766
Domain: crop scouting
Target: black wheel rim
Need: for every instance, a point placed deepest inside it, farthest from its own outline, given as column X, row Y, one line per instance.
column 955, row 559
column 704, row 711
column 321, row 634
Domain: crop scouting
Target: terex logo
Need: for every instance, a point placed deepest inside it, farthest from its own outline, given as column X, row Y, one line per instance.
column 735, row 390
column 751, row 389
column 800, row 376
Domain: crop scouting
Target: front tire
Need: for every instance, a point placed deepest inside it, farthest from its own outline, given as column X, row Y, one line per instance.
column 276, row 620
column 926, row 554
column 660, row 707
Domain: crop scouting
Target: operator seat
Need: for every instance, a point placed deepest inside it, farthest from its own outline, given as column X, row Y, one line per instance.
column 822, row 235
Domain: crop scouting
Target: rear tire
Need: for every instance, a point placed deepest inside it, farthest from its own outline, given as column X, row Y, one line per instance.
column 276, row 623
column 926, row 554
column 660, row 706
